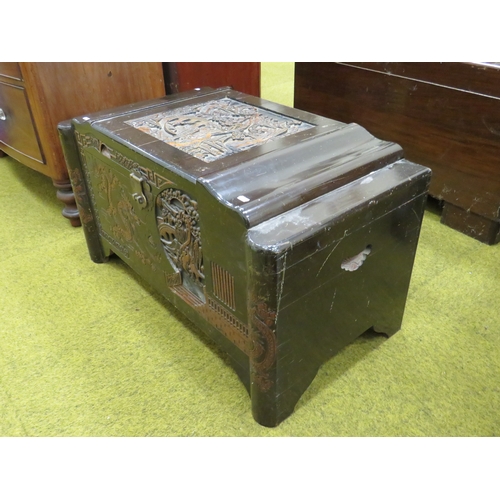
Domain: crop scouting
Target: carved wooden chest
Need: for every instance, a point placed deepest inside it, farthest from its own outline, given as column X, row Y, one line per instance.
column 282, row 234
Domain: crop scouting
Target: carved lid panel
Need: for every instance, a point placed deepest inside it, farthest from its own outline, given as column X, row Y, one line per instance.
column 202, row 132
column 217, row 128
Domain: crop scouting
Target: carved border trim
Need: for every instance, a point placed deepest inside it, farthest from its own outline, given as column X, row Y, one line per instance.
column 222, row 319
column 80, row 193
column 85, row 141
column 89, row 141
column 263, row 332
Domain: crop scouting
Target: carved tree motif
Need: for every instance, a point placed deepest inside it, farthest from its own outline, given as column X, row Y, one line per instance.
column 177, row 218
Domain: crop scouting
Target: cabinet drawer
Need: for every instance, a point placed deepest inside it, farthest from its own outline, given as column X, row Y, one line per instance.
column 16, row 125
column 11, row 70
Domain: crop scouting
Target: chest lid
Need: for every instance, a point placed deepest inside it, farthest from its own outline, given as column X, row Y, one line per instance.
column 258, row 157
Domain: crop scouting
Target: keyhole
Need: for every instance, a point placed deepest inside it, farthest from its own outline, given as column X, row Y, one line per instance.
column 105, row 151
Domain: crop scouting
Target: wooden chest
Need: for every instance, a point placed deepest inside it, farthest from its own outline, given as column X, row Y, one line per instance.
column 445, row 116
column 282, row 234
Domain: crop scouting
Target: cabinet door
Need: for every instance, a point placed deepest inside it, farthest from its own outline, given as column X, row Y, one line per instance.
column 16, row 125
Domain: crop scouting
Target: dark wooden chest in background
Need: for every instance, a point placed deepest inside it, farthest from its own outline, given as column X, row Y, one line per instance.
column 445, row 116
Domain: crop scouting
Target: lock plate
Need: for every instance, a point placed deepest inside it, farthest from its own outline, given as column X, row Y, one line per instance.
column 138, row 190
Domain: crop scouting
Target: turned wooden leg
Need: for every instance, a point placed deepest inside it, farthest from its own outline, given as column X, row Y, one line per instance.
column 66, row 195
column 471, row 224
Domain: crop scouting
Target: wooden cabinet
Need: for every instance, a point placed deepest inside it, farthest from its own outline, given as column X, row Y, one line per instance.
column 35, row 97
column 242, row 76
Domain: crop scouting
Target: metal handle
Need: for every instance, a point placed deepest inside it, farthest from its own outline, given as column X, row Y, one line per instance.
column 2, row 115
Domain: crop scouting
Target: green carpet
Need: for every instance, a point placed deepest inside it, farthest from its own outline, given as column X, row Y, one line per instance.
column 91, row 350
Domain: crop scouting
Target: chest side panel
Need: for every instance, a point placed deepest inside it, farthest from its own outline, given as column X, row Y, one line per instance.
column 343, row 266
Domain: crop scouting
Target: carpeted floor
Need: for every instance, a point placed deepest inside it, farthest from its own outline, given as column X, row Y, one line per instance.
column 91, row 350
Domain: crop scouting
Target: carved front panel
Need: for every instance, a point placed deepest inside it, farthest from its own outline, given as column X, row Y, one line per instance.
column 217, row 128
column 138, row 213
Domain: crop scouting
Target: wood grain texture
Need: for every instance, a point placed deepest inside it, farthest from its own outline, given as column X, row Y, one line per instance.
column 41, row 95
column 16, row 124
column 10, row 70
column 445, row 116
column 60, row 91
column 241, row 76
